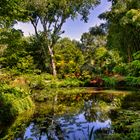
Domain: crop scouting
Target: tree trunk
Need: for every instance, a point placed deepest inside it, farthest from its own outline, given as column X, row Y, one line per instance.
column 52, row 61
column 129, row 54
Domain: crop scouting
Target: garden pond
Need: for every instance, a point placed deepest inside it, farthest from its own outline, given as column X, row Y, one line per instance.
column 83, row 114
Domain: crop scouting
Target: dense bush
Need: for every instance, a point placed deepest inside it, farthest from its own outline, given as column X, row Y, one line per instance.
column 132, row 81
column 120, row 69
column 13, row 101
column 70, row 83
column 109, row 81
column 46, row 80
column 69, row 58
column 18, row 126
column 39, row 81
column 129, row 69
column 134, row 68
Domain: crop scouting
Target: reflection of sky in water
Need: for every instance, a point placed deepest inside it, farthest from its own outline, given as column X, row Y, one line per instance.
column 30, row 134
column 73, row 128
column 80, row 128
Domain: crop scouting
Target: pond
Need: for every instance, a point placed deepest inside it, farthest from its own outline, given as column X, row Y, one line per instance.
column 88, row 115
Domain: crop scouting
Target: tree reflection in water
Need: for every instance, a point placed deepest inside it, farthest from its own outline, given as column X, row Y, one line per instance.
column 79, row 126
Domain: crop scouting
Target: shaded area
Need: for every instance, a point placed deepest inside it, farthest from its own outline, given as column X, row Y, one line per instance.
column 126, row 122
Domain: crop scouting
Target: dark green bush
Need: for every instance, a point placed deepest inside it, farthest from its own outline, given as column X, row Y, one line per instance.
column 13, row 101
column 109, row 81
column 134, row 68
column 132, row 81
column 120, row 69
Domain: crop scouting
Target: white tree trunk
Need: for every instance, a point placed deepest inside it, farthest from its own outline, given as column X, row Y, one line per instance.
column 52, row 61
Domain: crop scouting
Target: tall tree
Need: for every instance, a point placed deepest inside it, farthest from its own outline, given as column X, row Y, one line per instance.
column 10, row 11
column 124, row 27
column 91, row 41
column 69, row 58
column 52, row 15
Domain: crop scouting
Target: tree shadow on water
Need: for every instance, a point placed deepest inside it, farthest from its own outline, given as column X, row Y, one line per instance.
column 126, row 119
column 131, row 101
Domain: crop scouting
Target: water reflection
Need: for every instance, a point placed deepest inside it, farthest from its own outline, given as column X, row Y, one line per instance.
column 92, row 115
column 77, row 127
column 80, row 126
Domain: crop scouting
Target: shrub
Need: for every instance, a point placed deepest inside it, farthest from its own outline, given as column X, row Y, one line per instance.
column 109, row 81
column 120, row 69
column 134, row 68
column 70, row 83
column 132, row 81
column 13, row 101
column 39, row 81
column 19, row 125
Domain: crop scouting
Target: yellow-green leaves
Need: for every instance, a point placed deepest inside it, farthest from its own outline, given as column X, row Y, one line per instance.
column 132, row 17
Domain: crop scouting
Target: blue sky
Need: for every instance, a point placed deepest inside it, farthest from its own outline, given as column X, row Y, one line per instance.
column 73, row 29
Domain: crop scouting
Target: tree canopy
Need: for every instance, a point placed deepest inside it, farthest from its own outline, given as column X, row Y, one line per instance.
column 124, row 27
column 52, row 15
column 11, row 11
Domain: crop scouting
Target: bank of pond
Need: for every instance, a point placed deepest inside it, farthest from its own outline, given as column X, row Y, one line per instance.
column 70, row 113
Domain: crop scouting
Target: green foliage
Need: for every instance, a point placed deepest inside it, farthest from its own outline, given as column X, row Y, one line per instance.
column 106, row 60
column 39, row 81
column 16, row 57
column 99, row 59
column 35, row 48
column 129, row 69
column 120, row 69
column 17, row 126
column 69, row 58
column 13, row 101
column 52, row 15
column 133, row 68
column 92, row 41
column 132, row 17
column 85, row 76
column 126, row 125
column 63, row 9
column 68, row 82
column 11, row 10
column 6, row 89
column 95, row 37
column 124, row 27
column 110, row 81
column 132, row 81
column 136, row 55
column 47, row 82
column 74, row 61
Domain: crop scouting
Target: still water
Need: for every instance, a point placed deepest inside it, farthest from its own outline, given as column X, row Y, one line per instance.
column 79, row 116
